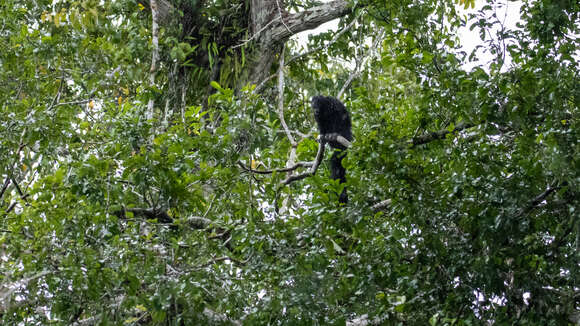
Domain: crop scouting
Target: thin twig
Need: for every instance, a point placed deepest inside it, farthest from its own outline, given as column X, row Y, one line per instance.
column 537, row 201
column 244, row 42
column 281, row 100
column 281, row 170
column 154, row 55
column 380, row 205
column 440, row 134
column 282, row 18
column 72, row 102
column 6, row 290
column 308, row 173
column 359, row 63
column 224, row 258
column 5, row 186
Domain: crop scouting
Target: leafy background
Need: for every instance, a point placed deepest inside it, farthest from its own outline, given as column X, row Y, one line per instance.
column 109, row 218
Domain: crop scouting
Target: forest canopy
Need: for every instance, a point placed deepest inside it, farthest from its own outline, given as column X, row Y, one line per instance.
column 160, row 163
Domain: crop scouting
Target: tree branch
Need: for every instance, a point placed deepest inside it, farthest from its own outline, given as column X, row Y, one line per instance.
column 5, row 186
column 360, row 62
column 309, row 19
column 424, row 139
column 381, row 205
column 536, row 201
column 334, row 137
column 286, row 169
column 310, row 172
column 6, row 290
column 148, row 213
column 212, row 316
column 165, row 12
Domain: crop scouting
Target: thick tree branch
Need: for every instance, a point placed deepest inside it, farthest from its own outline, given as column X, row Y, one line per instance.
column 286, row 169
column 23, row 196
column 424, row 139
column 148, row 213
column 334, row 137
column 382, row 205
column 309, row 19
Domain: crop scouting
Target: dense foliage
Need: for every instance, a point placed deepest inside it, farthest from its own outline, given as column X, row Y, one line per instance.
column 463, row 182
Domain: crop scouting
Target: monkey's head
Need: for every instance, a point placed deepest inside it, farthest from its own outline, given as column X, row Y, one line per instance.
column 320, row 106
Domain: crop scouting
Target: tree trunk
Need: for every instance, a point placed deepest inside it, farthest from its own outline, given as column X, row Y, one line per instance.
column 269, row 26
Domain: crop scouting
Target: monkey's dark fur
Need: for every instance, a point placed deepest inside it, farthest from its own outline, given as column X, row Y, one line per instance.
column 333, row 118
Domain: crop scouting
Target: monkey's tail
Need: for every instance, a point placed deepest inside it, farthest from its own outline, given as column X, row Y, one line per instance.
column 337, row 171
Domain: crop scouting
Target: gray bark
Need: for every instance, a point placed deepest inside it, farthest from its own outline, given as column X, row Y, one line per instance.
column 309, row 19
column 272, row 26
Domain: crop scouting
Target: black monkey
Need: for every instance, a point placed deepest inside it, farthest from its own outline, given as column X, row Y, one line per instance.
column 333, row 120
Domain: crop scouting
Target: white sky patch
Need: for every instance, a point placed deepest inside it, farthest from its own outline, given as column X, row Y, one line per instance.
column 507, row 12
column 302, row 37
